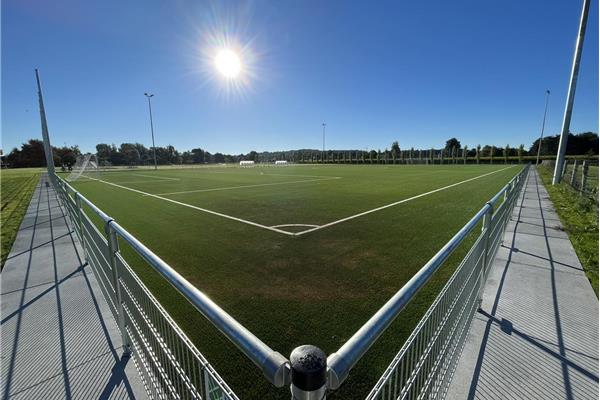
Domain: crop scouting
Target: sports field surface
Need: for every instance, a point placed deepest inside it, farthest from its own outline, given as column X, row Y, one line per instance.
column 298, row 254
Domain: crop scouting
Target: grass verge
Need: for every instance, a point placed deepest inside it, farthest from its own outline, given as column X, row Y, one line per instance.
column 16, row 187
column 579, row 216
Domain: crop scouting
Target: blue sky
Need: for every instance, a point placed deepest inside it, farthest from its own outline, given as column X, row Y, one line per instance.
column 374, row 71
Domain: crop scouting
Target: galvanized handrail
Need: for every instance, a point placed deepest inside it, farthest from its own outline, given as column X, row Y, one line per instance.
column 342, row 361
column 274, row 365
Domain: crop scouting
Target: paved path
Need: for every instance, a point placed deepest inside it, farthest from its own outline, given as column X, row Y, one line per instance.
column 536, row 334
column 59, row 339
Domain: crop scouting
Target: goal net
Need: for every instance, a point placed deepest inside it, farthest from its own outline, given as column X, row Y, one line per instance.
column 86, row 167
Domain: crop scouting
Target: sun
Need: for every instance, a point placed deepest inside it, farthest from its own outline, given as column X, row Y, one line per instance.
column 228, row 63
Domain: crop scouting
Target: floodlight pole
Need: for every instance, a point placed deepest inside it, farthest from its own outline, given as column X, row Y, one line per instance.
column 151, row 127
column 537, row 161
column 45, row 134
column 323, row 155
column 564, row 136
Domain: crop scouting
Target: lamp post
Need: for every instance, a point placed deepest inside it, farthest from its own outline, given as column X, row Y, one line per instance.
column 564, row 135
column 148, row 96
column 537, row 161
column 323, row 156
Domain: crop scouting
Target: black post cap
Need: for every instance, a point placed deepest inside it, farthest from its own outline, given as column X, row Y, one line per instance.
column 309, row 368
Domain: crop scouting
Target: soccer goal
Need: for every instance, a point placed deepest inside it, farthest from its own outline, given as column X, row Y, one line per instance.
column 246, row 164
column 86, row 167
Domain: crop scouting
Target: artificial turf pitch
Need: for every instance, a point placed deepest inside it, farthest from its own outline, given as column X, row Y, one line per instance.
column 297, row 254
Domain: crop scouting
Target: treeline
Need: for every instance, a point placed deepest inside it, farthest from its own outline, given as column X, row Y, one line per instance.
column 138, row 154
column 31, row 154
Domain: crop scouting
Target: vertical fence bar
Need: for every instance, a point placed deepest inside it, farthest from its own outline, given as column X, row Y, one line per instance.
column 485, row 226
column 584, row 176
column 573, row 173
column 113, row 248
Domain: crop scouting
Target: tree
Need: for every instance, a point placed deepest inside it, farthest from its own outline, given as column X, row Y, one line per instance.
column 520, row 153
column 130, row 153
column 66, row 155
column 452, row 143
column 104, row 152
column 252, row 156
column 478, row 153
column 395, row 151
column 31, row 154
column 576, row 144
column 465, row 152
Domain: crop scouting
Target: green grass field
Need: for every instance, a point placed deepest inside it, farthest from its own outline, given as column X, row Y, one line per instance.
column 298, row 254
column 16, row 186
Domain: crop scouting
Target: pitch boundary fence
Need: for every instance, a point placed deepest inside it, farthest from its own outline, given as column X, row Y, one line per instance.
column 172, row 367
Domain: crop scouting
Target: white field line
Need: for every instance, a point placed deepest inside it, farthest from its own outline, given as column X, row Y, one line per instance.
column 263, row 173
column 248, row 186
column 158, row 177
column 286, row 225
column 198, row 208
column 339, row 221
column 129, row 182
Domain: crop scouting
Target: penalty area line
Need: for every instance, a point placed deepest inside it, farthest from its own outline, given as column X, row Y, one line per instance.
column 198, row 208
column 339, row 221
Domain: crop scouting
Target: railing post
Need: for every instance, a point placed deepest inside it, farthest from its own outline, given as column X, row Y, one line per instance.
column 573, row 173
column 485, row 228
column 309, row 373
column 584, row 176
column 113, row 248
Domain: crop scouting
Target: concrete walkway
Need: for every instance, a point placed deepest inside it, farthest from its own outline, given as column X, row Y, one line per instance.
column 59, row 339
column 536, row 334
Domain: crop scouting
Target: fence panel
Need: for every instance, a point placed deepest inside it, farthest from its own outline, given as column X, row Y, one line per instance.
column 170, row 365
column 424, row 366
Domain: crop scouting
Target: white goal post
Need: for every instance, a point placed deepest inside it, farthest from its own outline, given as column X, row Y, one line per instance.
column 86, row 166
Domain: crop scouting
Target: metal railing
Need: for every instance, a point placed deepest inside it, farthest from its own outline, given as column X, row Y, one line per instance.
column 170, row 365
column 424, row 365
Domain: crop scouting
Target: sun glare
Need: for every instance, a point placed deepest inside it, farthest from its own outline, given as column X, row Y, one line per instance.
column 228, row 63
